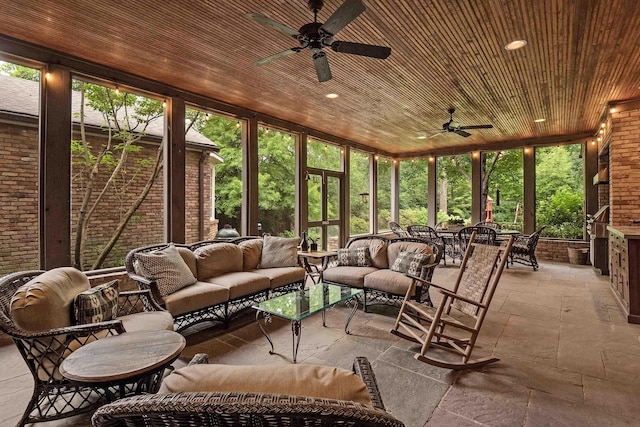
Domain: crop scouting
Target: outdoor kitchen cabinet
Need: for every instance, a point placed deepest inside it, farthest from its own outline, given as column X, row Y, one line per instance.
column 624, row 269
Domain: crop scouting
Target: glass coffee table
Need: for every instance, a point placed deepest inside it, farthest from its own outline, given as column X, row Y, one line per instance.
column 297, row 305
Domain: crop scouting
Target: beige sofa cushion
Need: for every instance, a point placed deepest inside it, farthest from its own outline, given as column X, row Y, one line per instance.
column 323, row 382
column 189, row 258
column 350, row 276
column 241, row 283
column 377, row 250
column 147, row 321
column 46, row 302
column 279, row 252
column 199, row 295
column 251, row 253
column 394, row 250
column 281, row 276
column 217, row 259
column 388, row 281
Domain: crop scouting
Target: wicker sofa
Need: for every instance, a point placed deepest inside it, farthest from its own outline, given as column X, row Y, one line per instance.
column 381, row 284
column 229, row 280
column 285, row 395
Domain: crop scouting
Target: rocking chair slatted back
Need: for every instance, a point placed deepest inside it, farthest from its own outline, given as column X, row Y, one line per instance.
column 475, row 277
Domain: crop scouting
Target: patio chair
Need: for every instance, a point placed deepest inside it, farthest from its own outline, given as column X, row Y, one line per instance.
column 36, row 312
column 426, row 232
column 436, row 329
column 524, row 249
column 397, row 230
column 207, row 396
column 489, row 224
column 484, row 235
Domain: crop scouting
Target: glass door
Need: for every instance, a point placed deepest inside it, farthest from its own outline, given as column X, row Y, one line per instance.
column 324, row 219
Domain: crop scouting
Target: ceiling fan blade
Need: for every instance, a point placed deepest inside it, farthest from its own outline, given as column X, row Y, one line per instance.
column 322, row 66
column 268, row 22
column 347, row 12
column 436, row 134
column 477, row 127
column 275, row 56
column 462, row 133
column 370, row 50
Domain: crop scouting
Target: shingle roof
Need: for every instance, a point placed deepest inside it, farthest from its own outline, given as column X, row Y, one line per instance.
column 22, row 96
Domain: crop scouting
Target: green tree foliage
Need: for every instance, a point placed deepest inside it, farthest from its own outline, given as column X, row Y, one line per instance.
column 454, row 180
column 359, row 183
column 507, row 176
column 559, row 191
column 384, row 193
column 14, row 70
column 227, row 135
column 413, row 191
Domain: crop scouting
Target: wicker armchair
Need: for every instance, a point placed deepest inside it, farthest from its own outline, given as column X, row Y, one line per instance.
column 54, row 397
column 489, row 224
column 248, row 409
column 524, row 249
column 397, row 230
column 426, row 232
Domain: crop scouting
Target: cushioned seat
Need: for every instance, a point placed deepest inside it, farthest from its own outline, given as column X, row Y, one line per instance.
column 346, row 275
column 194, row 297
column 241, row 283
column 388, row 281
column 282, row 275
column 147, row 321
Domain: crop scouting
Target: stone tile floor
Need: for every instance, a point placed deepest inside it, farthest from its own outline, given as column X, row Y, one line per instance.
column 568, row 357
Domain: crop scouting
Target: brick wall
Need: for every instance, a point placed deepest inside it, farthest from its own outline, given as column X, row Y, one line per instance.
column 18, row 198
column 556, row 249
column 624, row 168
column 19, row 204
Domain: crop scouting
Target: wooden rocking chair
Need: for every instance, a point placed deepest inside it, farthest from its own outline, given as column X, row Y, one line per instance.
column 480, row 272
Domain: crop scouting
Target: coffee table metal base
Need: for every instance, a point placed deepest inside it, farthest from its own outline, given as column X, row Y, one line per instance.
column 296, row 326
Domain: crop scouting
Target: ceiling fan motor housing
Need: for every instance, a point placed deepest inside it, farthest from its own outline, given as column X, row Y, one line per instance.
column 315, row 5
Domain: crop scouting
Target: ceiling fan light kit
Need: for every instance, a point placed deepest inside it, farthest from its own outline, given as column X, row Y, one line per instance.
column 317, row 35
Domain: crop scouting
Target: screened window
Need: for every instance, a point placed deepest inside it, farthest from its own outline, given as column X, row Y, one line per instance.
column 503, row 188
column 454, row 189
column 413, row 191
column 384, row 193
column 359, row 192
column 560, row 191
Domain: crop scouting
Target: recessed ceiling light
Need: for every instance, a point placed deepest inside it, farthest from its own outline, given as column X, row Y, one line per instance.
column 422, row 137
column 540, row 120
column 331, row 95
column 516, row 44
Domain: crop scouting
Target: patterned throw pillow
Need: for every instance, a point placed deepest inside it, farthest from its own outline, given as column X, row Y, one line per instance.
column 97, row 304
column 354, row 257
column 167, row 268
column 411, row 262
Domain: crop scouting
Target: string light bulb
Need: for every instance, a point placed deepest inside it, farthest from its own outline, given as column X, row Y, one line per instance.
column 593, row 143
column 207, row 117
column 117, row 90
column 237, row 124
column 526, row 150
column 47, row 75
column 164, row 104
column 602, row 125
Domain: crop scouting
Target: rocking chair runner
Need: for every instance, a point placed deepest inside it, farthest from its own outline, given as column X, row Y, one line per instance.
column 480, row 272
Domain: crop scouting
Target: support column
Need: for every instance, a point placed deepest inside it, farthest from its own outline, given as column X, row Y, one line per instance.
column 432, row 204
column 529, row 207
column 250, row 177
column 395, row 191
column 174, row 171
column 302, row 193
column 345, row 196
column 55, row 168
column 477, row 210
column 373, row 194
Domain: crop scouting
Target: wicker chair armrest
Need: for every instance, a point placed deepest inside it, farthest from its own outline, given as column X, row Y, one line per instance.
column 152, row 285
column 141, row 279
column 235, row 409
column 362, row 368
column 133, row 301
column 74, row 330
column 461, row 298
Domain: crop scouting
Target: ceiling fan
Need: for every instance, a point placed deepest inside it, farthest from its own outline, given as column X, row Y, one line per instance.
column 317, row 35
column 455, row 127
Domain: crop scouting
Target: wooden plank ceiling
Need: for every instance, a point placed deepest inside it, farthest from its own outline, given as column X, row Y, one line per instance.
column 580, row 55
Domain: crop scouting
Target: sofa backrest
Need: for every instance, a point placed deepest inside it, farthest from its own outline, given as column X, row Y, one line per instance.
column 46, row 302
column 217, row 259
column 377, row 248
column 189, row 258
column 251, row 253
column 395, row 247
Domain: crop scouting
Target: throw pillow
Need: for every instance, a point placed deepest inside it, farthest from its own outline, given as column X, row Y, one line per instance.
column 354, row 257
column 279, row 252
column 167, row 268
column 98, row 304
column 410, row 262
